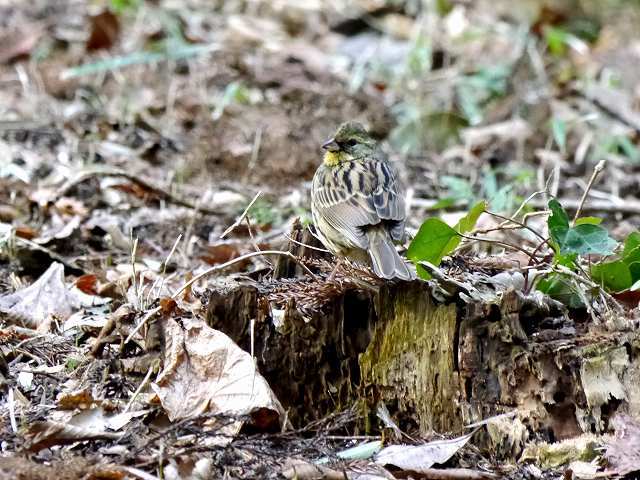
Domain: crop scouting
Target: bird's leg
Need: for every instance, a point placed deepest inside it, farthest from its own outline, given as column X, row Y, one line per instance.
column 335, row 269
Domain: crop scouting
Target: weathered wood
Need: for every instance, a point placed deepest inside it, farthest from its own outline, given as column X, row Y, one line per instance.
column 437, row 365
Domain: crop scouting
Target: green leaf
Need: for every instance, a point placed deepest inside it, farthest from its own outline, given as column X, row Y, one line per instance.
column 588, row 239
column 568, row 260
column 629, row 149
column 459, row 188
column 465, row 224
column 443, row 7
column 556, row 39
column 614, row 276
column 468, row 222
column 624, row 273
column 435, row 239
column 631, row 247
column 558, row 223
column 444, row 203
column 430, row 243
column 588, row 221
column 561, row 288
column 582, row 239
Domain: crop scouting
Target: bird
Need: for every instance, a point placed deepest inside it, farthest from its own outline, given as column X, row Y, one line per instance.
column 358, row 204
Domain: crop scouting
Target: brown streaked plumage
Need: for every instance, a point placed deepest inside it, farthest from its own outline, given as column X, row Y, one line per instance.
column 357, row 202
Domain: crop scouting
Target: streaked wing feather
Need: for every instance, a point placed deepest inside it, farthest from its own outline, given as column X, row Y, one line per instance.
column 347, row 211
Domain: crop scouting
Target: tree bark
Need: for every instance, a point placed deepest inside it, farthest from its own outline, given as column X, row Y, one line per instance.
column 438, row 365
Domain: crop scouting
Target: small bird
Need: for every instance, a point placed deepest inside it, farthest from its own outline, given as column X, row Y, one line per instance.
column 357, row 202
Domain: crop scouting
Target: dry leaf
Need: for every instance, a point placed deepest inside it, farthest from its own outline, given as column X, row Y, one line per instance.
column 47, row 434
column 205, row 372
column 88, row 284
column 221, row 253
column 105, row 29
column 25, row 232
column 623, row 451
column 421, row 457
column 38, row 304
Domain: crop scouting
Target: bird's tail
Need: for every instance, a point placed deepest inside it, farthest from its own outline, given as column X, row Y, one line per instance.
column 386, row 261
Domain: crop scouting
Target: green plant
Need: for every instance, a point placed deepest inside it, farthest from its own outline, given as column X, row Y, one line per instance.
column 436, row 239
column 123, row 6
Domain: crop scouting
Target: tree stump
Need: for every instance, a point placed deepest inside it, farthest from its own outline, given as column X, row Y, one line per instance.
column 438, row 361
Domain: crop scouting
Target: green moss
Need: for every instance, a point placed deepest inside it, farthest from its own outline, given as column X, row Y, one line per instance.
column 411, row 358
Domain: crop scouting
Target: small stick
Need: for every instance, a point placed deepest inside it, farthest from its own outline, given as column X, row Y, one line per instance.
column 318, row 249
column 240, row 219
column 209, row 271
column 222, row 266
column 596, row 171
column 145, row 380
column 512, row 220
column 502, row 244
column 163, row 194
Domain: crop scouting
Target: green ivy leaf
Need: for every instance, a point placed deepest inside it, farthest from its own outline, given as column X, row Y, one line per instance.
column 588, row 221
column 468, row 222
column 587, row 239
column 430, row 244
column 620, row 275
column 435, row 239
column 561, row 288
column 614, row 276
column 583, row 239
column 558, row 223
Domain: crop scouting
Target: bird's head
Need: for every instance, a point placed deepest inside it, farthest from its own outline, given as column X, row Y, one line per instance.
column 350, row 142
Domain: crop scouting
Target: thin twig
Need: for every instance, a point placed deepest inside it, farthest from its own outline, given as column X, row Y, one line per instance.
column 524, row 203
column 163, row 194
column 240, row 219
column 145, row 380
column 144, row 320
column 501, row 243
column 596, row 171
column 222, row 266
column 318, row 249
column 520, row 224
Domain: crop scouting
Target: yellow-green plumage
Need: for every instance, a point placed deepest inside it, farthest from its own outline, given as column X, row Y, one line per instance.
column 357, row 202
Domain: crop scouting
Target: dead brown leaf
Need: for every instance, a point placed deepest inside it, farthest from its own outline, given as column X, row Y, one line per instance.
column 221, row 253
column 46, row 434
column 105, row 29
column 88, row 284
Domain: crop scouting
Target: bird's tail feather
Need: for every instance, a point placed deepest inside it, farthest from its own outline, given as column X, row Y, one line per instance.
column 386, row 261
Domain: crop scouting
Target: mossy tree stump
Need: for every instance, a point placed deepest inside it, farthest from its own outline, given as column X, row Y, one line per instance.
column 436, row 364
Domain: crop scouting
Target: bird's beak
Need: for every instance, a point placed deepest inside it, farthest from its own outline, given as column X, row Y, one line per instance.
column 331, row 145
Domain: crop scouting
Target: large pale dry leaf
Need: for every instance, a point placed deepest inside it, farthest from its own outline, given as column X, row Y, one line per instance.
column 40, row 303
column 48, row 433
column 623, row 450
column 99, row 420
column 421, row 457
column 205, row 372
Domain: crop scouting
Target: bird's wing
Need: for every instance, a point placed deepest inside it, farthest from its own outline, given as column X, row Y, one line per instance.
column 364, row 194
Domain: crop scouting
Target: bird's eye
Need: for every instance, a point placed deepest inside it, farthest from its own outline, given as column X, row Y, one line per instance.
column 351, row 142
